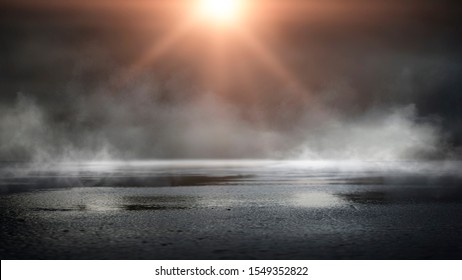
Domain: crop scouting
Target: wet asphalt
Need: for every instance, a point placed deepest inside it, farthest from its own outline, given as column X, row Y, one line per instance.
column 232, row 210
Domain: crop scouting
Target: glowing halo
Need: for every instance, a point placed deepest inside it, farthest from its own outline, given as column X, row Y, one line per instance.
column 219, row 11
column 227, row 21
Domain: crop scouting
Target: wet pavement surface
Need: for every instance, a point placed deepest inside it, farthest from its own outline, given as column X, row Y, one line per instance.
column 231, row 210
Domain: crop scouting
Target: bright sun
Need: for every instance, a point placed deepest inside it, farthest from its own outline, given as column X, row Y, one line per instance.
column 220, row 11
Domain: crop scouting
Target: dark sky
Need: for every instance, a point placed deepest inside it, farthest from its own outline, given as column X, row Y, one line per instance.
column 369, row 79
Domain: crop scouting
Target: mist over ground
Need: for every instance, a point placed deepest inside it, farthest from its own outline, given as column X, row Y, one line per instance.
column 386, row 87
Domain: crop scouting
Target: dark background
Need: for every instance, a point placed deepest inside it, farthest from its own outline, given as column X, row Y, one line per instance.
column 374, row 75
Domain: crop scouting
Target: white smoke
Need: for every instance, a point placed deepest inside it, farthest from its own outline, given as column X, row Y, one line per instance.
column 27, row 134
column 392, row 135
column 141, row 127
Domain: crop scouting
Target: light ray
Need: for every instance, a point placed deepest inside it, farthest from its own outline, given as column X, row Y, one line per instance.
column 218, row 50
column 149, row 57
column 270, row 60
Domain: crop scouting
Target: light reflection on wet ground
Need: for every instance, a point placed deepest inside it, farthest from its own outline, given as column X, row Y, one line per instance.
column 232, row 209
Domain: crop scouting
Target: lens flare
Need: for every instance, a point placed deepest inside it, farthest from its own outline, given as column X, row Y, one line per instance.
column 220, row 11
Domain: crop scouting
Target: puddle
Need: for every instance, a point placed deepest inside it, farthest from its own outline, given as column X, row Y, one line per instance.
column 405, row 195
column 142, row 203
